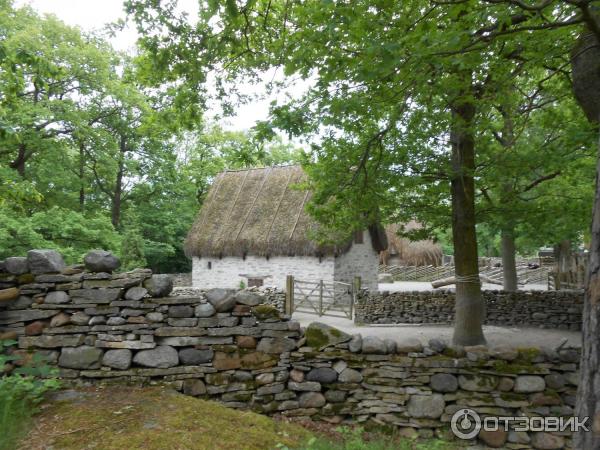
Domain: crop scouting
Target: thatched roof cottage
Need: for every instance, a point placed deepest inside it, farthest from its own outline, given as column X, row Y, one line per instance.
column 253, row 229
column 404, row 252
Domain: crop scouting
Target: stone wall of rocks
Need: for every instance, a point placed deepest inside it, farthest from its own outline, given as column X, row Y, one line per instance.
column 543, row 309
column 182, row 279
column 229, row 346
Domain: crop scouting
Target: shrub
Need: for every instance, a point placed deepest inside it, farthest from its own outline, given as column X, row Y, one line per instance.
column 21, row 390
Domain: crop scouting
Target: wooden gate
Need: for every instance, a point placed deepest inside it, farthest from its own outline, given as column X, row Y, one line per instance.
column 322, row 298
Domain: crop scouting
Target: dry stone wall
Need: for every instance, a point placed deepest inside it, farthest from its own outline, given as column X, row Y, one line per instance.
column 543, row 309
column 229, row 346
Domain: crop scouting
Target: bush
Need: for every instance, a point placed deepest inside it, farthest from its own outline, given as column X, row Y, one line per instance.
column 21, row 390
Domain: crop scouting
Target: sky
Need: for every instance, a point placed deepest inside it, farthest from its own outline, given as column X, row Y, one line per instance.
column 92, row 15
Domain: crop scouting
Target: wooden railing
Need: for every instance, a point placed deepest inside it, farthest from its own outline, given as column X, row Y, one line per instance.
column 525, row 275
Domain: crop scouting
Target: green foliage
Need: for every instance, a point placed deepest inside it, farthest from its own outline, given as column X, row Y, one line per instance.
column 21, row 392
column 84, row 147
column 382, row 77
column 132, row 250
column 70, row 232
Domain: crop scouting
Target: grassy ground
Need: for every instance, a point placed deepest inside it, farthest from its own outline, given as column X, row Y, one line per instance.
column 154, row 418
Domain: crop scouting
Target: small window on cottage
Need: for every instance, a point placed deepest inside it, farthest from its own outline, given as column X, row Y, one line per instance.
column 209, row 265
column 358, row 237
column 255, row 282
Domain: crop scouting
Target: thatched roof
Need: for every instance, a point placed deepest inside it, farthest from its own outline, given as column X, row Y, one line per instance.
column 411, row 253
column 257, row 212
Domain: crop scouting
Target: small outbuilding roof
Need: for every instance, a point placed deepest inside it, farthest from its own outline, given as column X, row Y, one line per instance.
column 259, row 212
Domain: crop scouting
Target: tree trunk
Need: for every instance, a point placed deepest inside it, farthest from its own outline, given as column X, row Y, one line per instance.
column 562, row 254
column 585, row 64
column 588, row 394
column 81, row 176
column 470, row 310
column 118, row 192
column 509, row 263
column 19, row 163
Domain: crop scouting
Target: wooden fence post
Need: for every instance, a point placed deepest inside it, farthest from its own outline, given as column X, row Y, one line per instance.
column 289, row 294
column 320, row 297
column 355, row 290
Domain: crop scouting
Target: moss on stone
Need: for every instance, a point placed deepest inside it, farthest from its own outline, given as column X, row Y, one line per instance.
column 512, row 396
column 515, row 367
column 335, row 332
column 528, row 354
column 315, row 338
column 265, row 312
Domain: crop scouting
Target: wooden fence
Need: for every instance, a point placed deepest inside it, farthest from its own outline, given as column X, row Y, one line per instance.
column 525, row 274
column 320, row 297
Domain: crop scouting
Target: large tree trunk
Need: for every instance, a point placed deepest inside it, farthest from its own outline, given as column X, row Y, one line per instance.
column 588, row 395
column 509, row 263
column 118, row 191
column 562, row 255
column 470, row 310
column 586, row 83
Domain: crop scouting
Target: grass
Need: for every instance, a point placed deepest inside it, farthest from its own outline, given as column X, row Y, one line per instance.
column 15, row 420
column 356, row 438
column 118, row 417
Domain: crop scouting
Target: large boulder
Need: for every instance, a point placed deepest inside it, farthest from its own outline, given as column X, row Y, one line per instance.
column 56, row 298
column 80, row 318
column 223, row 300
column 193, row 357
column 117, row 359
column 159, row 285
column 409, row 345
column 350, row 376
column 426, row 406
column 323, row 375
column 161, row 357
column 547, row 441
column 276, row 345
column 44, row 261
column 355, row 343
column 443, row 382
column 311, row 400
column 205, row 310
column 319, row 335
column 248, row 298
column 528, row 384
column 83, row 357
column 135, row 293
column 101, row 261
column 194, row 387
column 181, row 311
column 494, row 439
column 10, row 294
column 17, row 265
column 478, row 383
column 373, row 345
column 60, row 320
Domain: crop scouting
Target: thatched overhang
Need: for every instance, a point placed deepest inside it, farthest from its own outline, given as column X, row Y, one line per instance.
column 259, row 212
column 411, row 253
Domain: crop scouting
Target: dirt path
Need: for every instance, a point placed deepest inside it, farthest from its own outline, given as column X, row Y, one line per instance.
column 516, row 337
